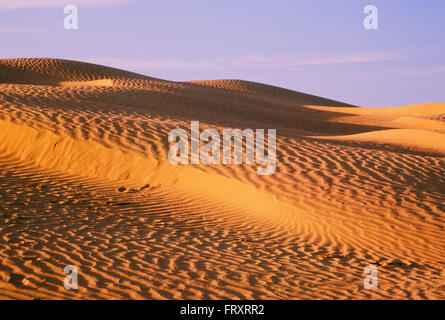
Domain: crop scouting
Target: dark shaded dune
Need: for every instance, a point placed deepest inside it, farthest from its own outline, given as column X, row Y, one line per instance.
column 232, row 103
column 234, row 109
column 46, row 71
column 264, row 90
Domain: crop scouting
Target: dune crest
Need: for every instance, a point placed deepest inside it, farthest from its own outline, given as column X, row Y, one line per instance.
column 86, row 181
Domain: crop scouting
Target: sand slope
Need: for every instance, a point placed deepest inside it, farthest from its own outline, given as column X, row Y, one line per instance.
column 85, row 180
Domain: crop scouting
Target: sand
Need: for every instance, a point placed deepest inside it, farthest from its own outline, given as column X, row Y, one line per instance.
column 85, row 181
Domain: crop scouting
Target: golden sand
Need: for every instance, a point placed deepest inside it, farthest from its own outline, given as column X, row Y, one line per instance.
column 85, row 181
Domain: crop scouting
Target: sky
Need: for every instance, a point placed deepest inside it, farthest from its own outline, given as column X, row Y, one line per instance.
column 318, row 47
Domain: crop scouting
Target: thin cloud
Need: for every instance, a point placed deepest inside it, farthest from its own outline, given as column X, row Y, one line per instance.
column 30, row 31
column 431, row 71
column 27, row 4
column 254, row 61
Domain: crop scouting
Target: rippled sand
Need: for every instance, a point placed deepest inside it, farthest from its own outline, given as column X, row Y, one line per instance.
column 85, row 181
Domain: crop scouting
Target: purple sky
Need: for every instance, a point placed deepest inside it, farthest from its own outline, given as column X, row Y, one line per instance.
column 314, row 46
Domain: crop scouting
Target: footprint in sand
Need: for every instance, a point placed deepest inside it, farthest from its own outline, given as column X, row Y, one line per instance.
column 18, row 280
column 132, row 190
column 122, row 189
column 394, row 264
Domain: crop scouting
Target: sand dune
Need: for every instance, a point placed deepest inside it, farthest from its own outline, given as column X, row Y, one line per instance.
column 410, row 139
column 85, row 180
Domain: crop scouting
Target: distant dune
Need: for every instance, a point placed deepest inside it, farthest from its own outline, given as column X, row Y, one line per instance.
column 85, row 181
